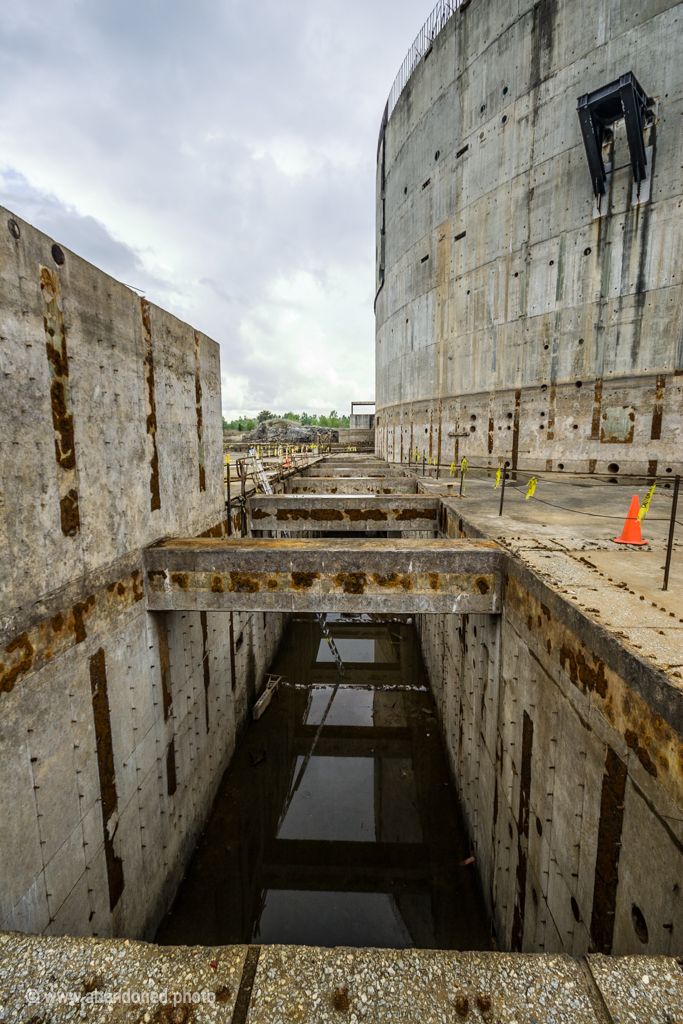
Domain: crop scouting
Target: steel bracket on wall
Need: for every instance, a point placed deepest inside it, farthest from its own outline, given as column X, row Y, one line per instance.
column 599, row 110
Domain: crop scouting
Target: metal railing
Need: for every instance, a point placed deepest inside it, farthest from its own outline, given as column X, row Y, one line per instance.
column 443, row 11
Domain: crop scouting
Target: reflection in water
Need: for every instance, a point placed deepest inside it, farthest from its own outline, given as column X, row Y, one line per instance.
column 356, row 842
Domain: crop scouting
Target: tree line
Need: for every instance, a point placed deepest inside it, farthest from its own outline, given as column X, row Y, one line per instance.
column 305, row 419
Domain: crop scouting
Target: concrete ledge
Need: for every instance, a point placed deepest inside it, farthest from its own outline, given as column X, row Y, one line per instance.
column 324, row 575
column 335, row 469
column 328, row 512
column 65, row 979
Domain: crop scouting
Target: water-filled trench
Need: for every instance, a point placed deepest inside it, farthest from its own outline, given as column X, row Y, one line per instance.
column 336, row 822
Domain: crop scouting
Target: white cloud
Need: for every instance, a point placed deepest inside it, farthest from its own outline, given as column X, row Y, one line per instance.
column 221, row 156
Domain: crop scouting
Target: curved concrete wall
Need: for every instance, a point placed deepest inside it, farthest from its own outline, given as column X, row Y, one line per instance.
column 516, row 321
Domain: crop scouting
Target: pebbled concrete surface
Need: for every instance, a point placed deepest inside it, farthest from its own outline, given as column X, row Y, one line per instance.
column 306, row 985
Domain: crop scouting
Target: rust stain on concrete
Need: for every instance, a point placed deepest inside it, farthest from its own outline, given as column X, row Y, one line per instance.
column 272, row 584
column 68, row 513
column 9, row 675
column 515, row 429
column 392, row 579
column 151, row 406
column 434, row 581
column 407, row 514
column 258, row 513
column 200, row 414
column 608, row 851
column 300, row 580
column 217, row 585
column 107, row 774
column 517, row 937
column 618, row 423
column 656, row 429
column 79, row 612
column 351, row 582
column 589, row 677
column 179, row 579
column 60, row 397
column 552, row 406
column 597, row 409
column 241, row 583
column 164, row 663
column 359, row 515
column 641, row 752
column 482, row 584
column 153, row 574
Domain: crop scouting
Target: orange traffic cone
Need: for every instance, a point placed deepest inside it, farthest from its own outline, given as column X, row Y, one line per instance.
column 631, row 532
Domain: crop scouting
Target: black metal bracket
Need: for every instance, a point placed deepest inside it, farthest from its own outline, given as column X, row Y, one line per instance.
column 599, row 110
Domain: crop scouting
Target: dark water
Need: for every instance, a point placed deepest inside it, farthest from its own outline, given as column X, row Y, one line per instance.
column 353, row 841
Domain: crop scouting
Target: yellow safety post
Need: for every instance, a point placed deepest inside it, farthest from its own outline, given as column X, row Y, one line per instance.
column 531, row 487
column 452, row 469
column 497, row 483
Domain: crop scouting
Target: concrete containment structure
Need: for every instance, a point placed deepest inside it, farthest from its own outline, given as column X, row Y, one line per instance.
column 520, row 317
column 115, row 724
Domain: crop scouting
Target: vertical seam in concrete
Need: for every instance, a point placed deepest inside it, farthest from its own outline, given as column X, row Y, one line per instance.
column 164, row 663
column 200, row 414
column 594, row 994
column 151, row 406
column 60, row 397
column 241, row 1010
column 232, row 651
column 515, row 430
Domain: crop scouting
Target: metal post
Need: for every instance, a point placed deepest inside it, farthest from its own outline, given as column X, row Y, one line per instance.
column 424, row 459
column 243, row 500
column 502, row 491
column 438, row 468
column 672, row 527
column 229, row 469
column 461, row 480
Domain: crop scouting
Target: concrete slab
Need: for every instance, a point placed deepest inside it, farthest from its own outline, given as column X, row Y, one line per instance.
column 339, row 470
column 101, row 980
column 324, row 575
column 329, row 512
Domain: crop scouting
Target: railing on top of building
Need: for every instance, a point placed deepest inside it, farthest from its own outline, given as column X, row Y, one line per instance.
column 426, row 36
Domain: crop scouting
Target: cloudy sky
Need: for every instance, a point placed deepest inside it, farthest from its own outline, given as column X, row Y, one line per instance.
column 220, row 155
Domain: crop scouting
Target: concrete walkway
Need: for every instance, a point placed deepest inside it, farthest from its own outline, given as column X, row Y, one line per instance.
column 68, row 979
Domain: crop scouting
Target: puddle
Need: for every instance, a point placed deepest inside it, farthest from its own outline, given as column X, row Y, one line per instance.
column 352, row 839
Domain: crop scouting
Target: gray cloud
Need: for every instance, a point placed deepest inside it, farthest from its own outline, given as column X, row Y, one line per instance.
column 220, row 155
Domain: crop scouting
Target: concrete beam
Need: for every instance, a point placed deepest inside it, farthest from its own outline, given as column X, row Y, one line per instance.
column 352, row 485
column 325, row 469
column 328, row 512
column 324, row 575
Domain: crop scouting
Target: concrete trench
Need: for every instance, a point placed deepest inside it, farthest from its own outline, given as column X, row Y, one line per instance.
column 136, row 636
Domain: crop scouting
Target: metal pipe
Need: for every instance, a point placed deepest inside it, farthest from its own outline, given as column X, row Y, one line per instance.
column 243, row 500
column 672, row 527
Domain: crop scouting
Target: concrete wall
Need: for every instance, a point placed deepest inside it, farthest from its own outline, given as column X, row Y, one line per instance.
column 115, row 725
column 566, row 753
column 515, row 322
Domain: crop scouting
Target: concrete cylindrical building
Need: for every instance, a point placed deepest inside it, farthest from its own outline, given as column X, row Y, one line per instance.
column 523, row 316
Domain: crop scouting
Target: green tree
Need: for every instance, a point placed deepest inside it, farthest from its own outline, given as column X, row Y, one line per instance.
column 265, row 414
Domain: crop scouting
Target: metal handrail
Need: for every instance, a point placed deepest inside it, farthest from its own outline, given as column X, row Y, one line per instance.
column 443, row 11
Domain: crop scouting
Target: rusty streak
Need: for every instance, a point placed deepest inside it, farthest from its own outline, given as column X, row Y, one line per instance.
column 607, row 855
column 515, row 430
column 151, row 406
column 60, row 396
column 597, row 409
column 523, row 834
column 164, row 663
column 105, row 764
column 656, row 431
column 200, row 415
